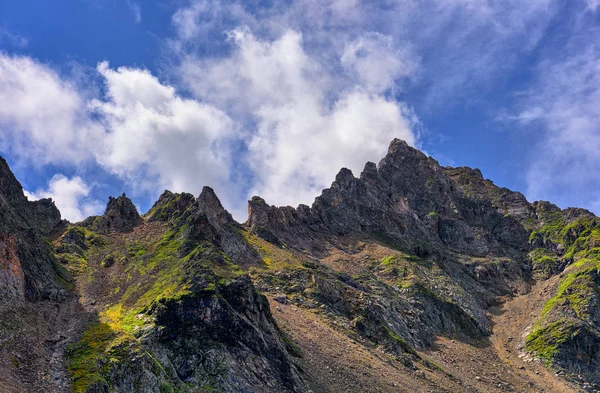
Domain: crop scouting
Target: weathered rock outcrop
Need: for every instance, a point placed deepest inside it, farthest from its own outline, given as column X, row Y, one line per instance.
column 227, row 339
column 120, row 215
column 28, row 265
column 391, row 260
column 567, row 333
column 183, row 315
column 409, row 199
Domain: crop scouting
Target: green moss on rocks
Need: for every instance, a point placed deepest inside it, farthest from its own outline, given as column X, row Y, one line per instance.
column 158, row 265
column 276, row 256
column 88, row 360
column 544, row 342
column 569, row 237
column 575, row 291
column 544, row 263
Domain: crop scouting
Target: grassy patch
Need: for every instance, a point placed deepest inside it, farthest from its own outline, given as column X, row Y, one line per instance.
column 404, row 270
column 576, row 291
column 274, row 257
column 88, row 360
column 163, row 264
column 159, row 271
column 544, row 342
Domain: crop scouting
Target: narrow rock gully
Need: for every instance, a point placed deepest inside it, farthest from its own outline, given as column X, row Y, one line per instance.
column 499, row 364
column 512, row 322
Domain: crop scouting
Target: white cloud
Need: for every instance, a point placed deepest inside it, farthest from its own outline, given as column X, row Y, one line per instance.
column 299, row 121
column 156, row 139
column 42, row 116
column 303, row 90
column 141, row 130
column 299, row 149
column 463, row 45
column 71, row 196
column 376, row 62
column 186, row 19
column 305, row 123
column 451, row 50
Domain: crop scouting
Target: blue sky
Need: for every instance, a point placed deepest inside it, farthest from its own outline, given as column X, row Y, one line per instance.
column 98, row 97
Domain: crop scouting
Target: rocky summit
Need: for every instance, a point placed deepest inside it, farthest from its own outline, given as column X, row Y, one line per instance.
column 410, row 277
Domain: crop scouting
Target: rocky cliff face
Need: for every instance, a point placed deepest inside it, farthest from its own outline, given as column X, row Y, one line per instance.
column 409, row 199
column 393, row 266
column 32, row 283
column 172, row 306
column 28, row 268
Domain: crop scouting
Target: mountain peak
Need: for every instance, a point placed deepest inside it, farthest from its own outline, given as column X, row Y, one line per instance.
column 258, row 212
column 344, row 177
column 10, row 188
column 404, row 253
column 170, row 205
column 399, row 146
column 369, row 172
column 209, row 197
column 120, row 215
column 209, row 203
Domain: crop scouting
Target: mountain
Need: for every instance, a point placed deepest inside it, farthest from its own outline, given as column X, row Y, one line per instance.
column 411, row 277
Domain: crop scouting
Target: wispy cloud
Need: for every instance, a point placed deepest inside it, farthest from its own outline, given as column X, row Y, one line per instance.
column 11, row 39
column 564, row 109
column 136, row 9
column 460, row 46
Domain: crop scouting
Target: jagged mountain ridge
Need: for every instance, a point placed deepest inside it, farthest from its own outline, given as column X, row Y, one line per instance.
column 404, row 254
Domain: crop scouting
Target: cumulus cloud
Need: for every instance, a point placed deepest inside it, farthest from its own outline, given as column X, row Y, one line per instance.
column 71, row 196
column 295, row 125
column 308, row 90
column 298, row 150
column 304, row 122
column 156, row 139
column 42, row 116
column 139, row 130
column 275, row 107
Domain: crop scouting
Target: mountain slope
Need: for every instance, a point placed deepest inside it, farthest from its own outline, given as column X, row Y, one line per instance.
column 391, row 281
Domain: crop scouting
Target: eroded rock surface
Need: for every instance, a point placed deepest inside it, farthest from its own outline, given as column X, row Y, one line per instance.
column 387, row 263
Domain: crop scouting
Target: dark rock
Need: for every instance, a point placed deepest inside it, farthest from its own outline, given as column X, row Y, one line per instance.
column 108, row 261
column 120, row 215
column 207, row 220
column 457, row 245
column 170, row 206
column 235, row 320
column 28, row 262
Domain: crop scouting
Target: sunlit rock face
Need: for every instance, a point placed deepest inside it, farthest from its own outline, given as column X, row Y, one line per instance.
column 184, row 298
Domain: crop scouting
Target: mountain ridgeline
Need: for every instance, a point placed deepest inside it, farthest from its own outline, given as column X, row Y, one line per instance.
column 411, row 277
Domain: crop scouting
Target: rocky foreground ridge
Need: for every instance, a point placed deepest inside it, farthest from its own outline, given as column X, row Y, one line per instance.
column 395, row 280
